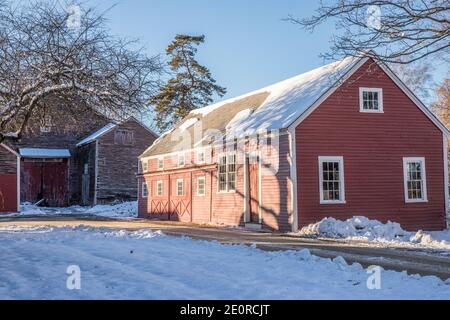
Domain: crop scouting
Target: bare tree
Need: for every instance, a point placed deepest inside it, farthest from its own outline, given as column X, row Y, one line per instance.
column 397, row 31
column 442, row 105
column 48, row 50
column 418, row 76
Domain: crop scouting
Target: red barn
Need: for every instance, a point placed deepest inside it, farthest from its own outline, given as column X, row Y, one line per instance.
column 9, row 179
column 342, row 140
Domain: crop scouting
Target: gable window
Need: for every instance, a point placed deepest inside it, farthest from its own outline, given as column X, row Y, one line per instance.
column 159, row 188
column 201, row 186
column 46, row 124
column 145, row 166
column 181, row 160
column 331, row 176
column 124, row 137
column 227, row 173
column 160, row 163
column 370, row 100
column 414, row 178
column 144, row 190
column 180, row 187
column 200, row 156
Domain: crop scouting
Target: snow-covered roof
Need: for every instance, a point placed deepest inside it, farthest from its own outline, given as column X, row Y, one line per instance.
column 96, row 134
column 44, row 153
column 288, row 99
column 274, row 107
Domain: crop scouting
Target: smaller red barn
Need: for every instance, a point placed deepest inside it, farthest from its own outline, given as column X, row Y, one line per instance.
column 9, row 179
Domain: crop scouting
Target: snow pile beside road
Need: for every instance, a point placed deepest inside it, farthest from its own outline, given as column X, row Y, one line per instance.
column 121, row 210
column 362, row 228
column 124, row 210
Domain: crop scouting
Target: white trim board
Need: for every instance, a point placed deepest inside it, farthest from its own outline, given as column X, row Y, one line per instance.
column 391, row 75
column 423, row 173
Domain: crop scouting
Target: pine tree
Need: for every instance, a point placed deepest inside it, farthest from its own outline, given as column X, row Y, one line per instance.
column 190, row 87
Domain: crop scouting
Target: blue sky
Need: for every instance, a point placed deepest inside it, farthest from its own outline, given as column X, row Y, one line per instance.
column 247, row 44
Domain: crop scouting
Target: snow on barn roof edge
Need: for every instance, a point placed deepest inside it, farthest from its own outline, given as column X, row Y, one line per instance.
column 278, row 106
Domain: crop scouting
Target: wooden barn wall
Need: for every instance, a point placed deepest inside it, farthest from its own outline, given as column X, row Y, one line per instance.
column 223, row 208
column 85, row 154
column 118, row 163
column 66, row 131
column 373, row 146
column 8, row 161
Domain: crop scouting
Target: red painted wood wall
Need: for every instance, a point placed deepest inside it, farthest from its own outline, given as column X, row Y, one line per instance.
column 373, row 146
column 8, row 193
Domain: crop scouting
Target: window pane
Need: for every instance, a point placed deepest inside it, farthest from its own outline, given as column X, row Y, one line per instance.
column 331, row 180
column 414, row 181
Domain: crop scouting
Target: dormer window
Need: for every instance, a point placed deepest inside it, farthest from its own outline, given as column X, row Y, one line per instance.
column 181, row 160
column 370, row 100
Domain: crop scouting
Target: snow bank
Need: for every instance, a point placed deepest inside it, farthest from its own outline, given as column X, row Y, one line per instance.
column 362, row 228
column 143, row 264
column 125, row 210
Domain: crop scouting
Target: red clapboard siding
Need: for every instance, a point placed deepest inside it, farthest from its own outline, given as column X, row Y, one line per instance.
column 373, row 146
column 8, row 193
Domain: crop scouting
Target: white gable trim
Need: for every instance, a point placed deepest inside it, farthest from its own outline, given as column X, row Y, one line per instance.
column 10, row 149
column 392, row 76
column 446, row 184
column 413, row 97
column 17, row 172
column 328, row 93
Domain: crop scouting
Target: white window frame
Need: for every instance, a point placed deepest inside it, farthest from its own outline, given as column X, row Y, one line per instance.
column 340, row 160
column 407, row 160
column 145, row 166
column 181, row 156
column 160, row 163
column 159, row 183
column 227, row 189
column 202, row 152
column 182, row 187
column 380, row 99
column 202, row 178
column 144, row 188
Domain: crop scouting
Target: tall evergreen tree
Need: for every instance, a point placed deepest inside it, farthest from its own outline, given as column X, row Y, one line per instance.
column 190, row 87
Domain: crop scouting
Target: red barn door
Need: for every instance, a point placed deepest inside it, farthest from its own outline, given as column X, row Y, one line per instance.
column 44, row 180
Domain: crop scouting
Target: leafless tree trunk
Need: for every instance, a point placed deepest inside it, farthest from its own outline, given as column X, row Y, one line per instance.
column 397, row 31
column 50, row 50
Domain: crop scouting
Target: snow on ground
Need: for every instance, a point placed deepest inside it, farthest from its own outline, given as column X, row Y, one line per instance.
column 125, row 210
column 391, row 233
column 150, row 265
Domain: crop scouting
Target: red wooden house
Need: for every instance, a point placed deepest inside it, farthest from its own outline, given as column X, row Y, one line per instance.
column 342, row 140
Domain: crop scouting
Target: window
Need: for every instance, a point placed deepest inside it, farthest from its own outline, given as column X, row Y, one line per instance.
column 180, row 187
column 414, row 177
column 144, row 190
column 331, row 176
column 201, row 186
column 124, row 137
column 227, row 173
column 161, row 164
column 370, row 100
column 181, row 160
column 231, row 172
column 200, row 156
column 46, row 124
column 159, row 188
column 145, row 166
